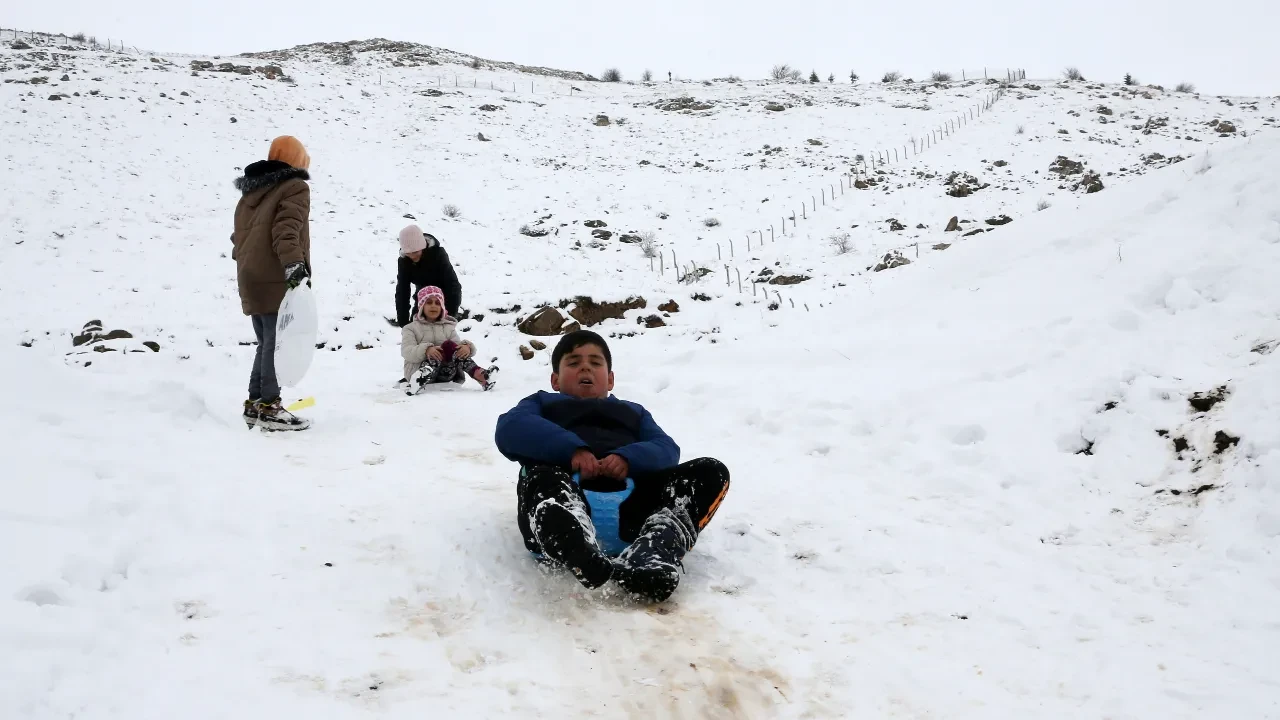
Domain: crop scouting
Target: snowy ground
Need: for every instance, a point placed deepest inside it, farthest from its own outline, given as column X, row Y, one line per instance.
column 973, row 486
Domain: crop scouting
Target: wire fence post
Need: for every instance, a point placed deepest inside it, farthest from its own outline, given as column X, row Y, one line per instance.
column 727, row 281
column 731, row 248
column 718, row 256
column 739, row 272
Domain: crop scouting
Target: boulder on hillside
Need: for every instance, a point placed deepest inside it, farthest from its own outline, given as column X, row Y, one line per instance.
column 1063, row 166
column 961, row 185
column 589, row 312
column 891, row 259
column 953, row 224
column 545, row 322
column 999, row 220
column 1091, row 182
column 670, row 306
column 788, row 279
column 594, row 224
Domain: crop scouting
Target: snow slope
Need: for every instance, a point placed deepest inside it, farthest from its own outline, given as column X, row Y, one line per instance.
column 973, row 486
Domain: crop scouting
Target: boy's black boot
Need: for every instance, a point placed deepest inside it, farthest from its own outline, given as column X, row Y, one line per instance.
column 650, row 566
column 564, row 539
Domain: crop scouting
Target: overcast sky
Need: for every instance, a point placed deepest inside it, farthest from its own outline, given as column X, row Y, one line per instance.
column 1221, row 47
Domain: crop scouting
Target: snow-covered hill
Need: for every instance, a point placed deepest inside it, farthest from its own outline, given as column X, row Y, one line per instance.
column 1031, row 473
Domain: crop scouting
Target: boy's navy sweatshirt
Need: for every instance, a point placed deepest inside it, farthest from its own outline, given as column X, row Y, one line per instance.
column 549, row 427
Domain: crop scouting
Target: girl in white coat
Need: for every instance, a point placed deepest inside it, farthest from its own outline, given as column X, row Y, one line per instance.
column 432, row 349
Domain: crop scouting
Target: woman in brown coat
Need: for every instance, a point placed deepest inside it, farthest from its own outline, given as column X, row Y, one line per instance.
column 272, row 250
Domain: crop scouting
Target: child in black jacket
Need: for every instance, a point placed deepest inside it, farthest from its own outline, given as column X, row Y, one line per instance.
column 423, row 263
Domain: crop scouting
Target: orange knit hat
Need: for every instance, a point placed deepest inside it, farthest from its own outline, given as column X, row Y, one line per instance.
column 288, row 149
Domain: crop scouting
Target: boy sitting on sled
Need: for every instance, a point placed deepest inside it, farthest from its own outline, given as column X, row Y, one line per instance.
column 601, row 489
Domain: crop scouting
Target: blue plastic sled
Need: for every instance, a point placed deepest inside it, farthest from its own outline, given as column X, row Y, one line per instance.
column 604, row 515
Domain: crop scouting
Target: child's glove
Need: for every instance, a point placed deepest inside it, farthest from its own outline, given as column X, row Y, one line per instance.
column 447, row 350
column 294, row 274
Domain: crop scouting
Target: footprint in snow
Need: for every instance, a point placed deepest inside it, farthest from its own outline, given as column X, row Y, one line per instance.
column 967, row 434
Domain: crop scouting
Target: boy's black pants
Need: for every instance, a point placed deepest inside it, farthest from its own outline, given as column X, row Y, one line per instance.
column 697, row 485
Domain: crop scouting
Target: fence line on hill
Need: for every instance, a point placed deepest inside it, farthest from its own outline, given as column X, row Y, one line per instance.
column 865, row 166
column 111, row 45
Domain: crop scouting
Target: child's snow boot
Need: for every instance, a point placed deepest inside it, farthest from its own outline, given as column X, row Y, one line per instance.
column 272, row 417
column 564, row 539
column 251, row 413
column 490, row 378
column 650, row 566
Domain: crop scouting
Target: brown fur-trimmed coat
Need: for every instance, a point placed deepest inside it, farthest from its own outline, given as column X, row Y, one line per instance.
column 271, row 232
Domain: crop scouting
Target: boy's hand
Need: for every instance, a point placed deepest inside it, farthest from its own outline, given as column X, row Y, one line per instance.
column 585, row 464
column 433, row 353
column 615, row 466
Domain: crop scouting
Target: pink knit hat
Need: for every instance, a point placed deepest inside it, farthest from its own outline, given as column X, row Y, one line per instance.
column 427, row 292
column 412, row 240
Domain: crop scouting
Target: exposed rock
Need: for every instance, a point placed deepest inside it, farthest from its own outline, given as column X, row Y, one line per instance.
column 1000, row 163
column 669, row 307
column 270, row 72
column 589, row 312
column 601, row 234
column 1104, row 110
column 153, row 345
column 1000, row 220
column 652, row 321
column 975, row 232
column 602, row 120
column 814, row 142
column 489, row 108
column 788, row 279
column 65, row 78
column 19, row 45
column 860, row 184
column 526, row 353
column 1091, row 182
column 895, row 226
column 953, row 224
column 538, row 344
column 891, row 259
column 1064, row 167
column 961, row 185
column 545, row 322
column 683, row 104
column 774, row 107
column 594, row 224
column 1223, row 127
column 942, row 246
column 1204, row 402
column 630, row 238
